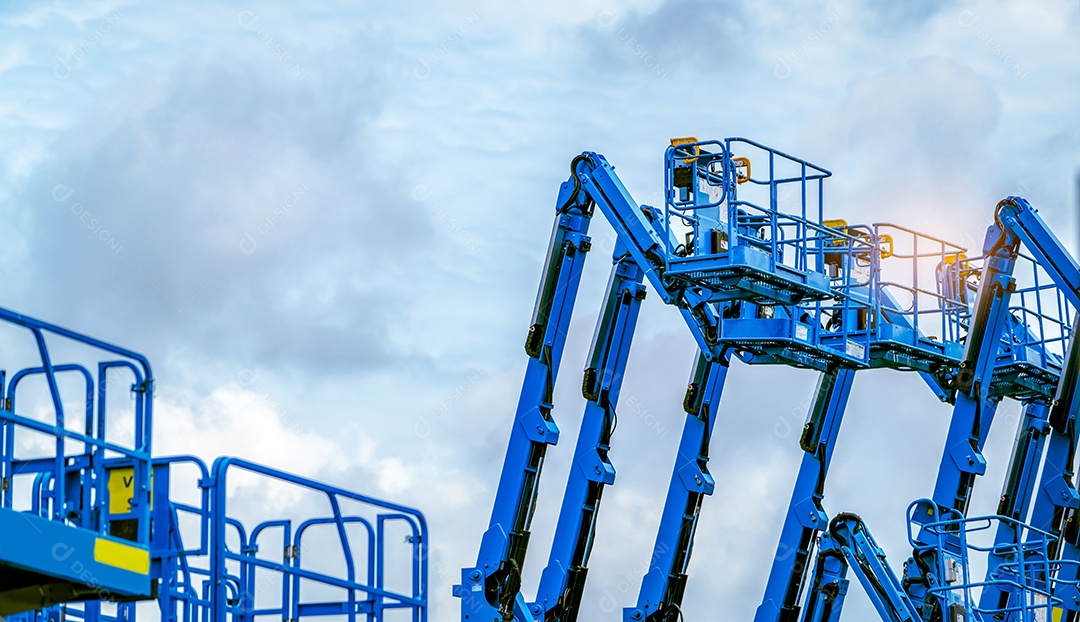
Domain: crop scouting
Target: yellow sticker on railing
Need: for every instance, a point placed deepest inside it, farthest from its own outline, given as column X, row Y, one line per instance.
column 121, row 487
column 123, row 556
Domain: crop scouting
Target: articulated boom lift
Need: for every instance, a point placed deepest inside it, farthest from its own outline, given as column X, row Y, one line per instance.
column 743, row 250
column 92, row 523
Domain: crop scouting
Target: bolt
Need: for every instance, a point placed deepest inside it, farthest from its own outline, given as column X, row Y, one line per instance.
column 697, row 480
column 540, row 430
column 636, row 615
column 813, row 517
column 475, row 575
column 598, row 469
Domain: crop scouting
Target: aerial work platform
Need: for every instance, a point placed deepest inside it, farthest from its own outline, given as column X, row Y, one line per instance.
column 761, row 273
column 92, row 523
column 70, row 531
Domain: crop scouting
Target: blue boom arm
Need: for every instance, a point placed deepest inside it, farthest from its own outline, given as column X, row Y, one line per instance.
column 490, row 590
column 563, row 579
column 1016, row 222
column 1055, row 505
column 638, row 228
column 973, row 409
column 867, row 558
column 662, row 587
column 805, row 518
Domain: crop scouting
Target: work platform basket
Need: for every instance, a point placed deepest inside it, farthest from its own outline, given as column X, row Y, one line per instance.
column 993, row 567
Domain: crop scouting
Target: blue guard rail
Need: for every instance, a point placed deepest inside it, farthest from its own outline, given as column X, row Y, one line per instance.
column 93, row 527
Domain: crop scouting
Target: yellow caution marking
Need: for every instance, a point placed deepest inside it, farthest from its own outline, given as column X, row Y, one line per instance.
column 121, row 487
column 123, row 556
column 121, row 490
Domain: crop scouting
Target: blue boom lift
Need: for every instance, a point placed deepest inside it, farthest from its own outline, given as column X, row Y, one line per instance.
column 92, row 523
column 761, row 276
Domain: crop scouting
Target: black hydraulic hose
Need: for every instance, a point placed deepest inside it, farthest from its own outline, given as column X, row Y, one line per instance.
column 577, row 182
column 1000, row 225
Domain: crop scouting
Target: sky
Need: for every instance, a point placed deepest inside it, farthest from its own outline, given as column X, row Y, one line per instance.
column 325, row 222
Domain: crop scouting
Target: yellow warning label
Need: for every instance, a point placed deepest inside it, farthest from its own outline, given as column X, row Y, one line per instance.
column 121, row 487
column 123, row 556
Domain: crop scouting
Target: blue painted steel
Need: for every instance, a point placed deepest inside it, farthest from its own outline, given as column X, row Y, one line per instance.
column 757, row 272
column 805, row 517
column 363, row 593
column 491, row 589
column 1022, row 582
column 58, row 511
column 1028, row 368
column 764, row 246
column 1016, row 494
column 863, row 554
column 563, row 580
column 662, row 587
column 1021, row 566
column 1016, row 217
column 792, row 289
column 920, row 302
column 973, row 411
column 1057, row 500
column 226, row 570
column 62, row 496
column 639, row 229
column 828, row 584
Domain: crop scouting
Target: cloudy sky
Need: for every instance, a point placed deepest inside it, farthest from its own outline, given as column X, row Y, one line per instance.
column 325, row 223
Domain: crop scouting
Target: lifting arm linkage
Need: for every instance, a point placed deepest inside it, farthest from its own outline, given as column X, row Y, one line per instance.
column 805, row 517
column 828, row 585
column 638, row 228
column 490, row 590
column 662, row 587
column 974, row 408
column 563, row 579
column 868, row 560
column 1015, row 498
column 1015, row 222
column 1055, row 506
column 1015, row 217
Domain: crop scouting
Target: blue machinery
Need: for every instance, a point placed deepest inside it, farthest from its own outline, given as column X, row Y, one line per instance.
column 94, row 527
column 743, row 250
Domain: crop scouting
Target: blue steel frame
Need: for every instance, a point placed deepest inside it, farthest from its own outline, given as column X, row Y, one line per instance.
column 1011, row 588
column 563, row 579
column 377, row 597
column 805, row 518
column 1020, row 567
column 664, row 582
column 491, row 589
column 746, row 276
column 218, row 574
column 70, row 499
column 60, row 528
